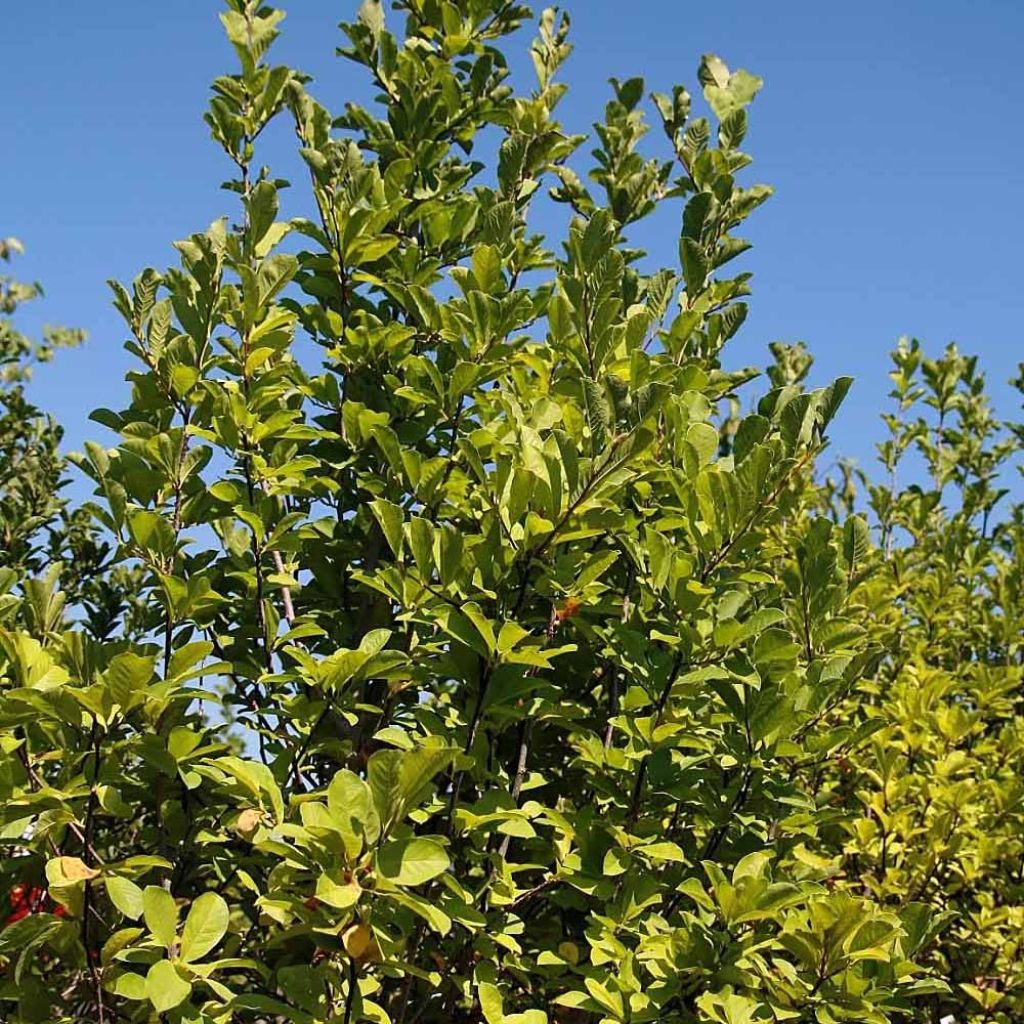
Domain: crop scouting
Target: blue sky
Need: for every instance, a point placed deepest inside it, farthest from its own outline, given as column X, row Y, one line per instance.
column 890, row 131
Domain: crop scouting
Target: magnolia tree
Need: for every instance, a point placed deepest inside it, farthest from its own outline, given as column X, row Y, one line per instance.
column 488, row 662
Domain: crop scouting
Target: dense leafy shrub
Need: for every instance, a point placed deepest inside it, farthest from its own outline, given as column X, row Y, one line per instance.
column 938, row 789
column 493, row 664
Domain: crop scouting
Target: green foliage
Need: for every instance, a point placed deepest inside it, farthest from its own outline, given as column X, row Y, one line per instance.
column 491, row 663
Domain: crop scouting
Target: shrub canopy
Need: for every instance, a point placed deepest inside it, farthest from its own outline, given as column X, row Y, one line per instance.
column 484, row 659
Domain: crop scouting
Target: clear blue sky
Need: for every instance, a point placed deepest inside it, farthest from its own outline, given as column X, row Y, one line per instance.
column 889, row 129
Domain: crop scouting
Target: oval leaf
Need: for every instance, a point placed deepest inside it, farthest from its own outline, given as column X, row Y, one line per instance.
column 205, row 926
column 161, row 914
column 126, row 896
column 411, row 861
column 165, row 987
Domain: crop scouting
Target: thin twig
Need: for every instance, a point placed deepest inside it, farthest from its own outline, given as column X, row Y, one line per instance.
column 288, row 607
column 350, row 995
column 532, row 894
column 90, row 810
column 525, row 731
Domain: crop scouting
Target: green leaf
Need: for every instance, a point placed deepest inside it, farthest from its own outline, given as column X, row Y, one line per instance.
column 383, row 777
column 351, row 803
column 595, row 567
column 263, row 206
column 165, row 987
column 438, row 920
column 663, row 852
column 599, row 417
column 705, row 441
column 856, row 541
column 610, row 1000
column 128, row 673
column 151, row 532
column 695, row 266
column 401, row 779
column 161, row 915
column 257, row 779
column 527, row 1017
column 274, row 273
column 421, row 541
column 483, row 625
column 129, row 986
column 509, row 636
column 205, row 926
column 336, row 892
column 726, row 92
column 391, row 519
column 487, row 267
column 411, row 861
column 417, row 770
column 126, row 896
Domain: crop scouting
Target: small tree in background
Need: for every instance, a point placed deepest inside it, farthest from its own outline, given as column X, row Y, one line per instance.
column 31, row 468
column 39, row 534
column 567, row 693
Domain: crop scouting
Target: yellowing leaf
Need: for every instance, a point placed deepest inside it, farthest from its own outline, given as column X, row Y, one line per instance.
column 249, row 820
column 69, row 869
column 360, row 943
